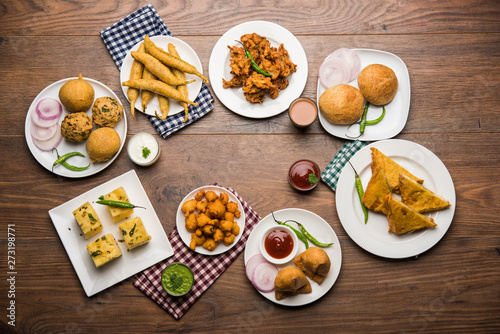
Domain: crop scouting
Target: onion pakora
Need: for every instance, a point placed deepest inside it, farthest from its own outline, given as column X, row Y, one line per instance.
column 275, row 61
column 210, row 219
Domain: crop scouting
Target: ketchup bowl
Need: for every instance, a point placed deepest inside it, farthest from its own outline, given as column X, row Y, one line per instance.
column 279, row 244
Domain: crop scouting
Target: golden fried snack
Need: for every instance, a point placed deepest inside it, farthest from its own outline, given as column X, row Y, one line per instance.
column 188, row 207
column 274, row 62
column 290, row 281
column 314, row 262
column 208, row 219
column 191, row 222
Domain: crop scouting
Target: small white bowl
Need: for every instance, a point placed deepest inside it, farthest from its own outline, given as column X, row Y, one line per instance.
column 135, row 147
column 290, row 256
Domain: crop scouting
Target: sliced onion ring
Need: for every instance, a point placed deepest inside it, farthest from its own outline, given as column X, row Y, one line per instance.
column 263, row 276
column 43, row 133
column 253, row 262
column 351, row 58
column 334, row 71
column 48, row 109
column 49, row 144
column 44, row 123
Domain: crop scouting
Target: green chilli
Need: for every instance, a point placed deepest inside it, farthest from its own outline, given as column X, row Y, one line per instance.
column 253, row 63
column 360, row 191
column 299, row 234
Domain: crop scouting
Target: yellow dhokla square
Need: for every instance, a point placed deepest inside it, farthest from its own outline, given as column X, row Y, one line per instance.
column 134, row 233
column 118, row 214
column 88, row 220
column 104, row 249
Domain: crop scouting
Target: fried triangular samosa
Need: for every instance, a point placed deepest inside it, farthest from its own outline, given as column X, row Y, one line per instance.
column 404, row 219
column 376, row 191
column 418, row 197
column 391, row 169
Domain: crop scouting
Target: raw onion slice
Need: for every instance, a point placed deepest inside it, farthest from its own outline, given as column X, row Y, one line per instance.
column 351, row 58
column 43, row 133
column 49, row 144
column 334, row 71
column 44, row 123
column 253, row 262
column 340, row 67
column 48, row 108
column 263, row 276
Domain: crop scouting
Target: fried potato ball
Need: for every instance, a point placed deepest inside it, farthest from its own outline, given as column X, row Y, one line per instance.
column 209, row 244
column 236, row 229
column 233, row 208
column 211, row 196
column 229, row 239
column 229, row 216
column 196, row 241
column 208, row 229
column 216, row 209
column 218, row 235
column 191, row 222
column 201, row 206
column 199, row 196
column 203, row 220
column 224, row 198
column 188, row 207
column 226, row 226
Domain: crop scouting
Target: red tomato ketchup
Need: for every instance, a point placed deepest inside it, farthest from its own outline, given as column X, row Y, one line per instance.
column 278, row 244
column 299, row 175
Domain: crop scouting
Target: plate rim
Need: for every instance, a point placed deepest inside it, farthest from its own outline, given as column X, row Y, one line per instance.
column 127, row 62
column 250, row 111
column 340, row 130
column 335, row 258
column 400, row 250
column 36, row 152
column 184, row 234
column 76, row 260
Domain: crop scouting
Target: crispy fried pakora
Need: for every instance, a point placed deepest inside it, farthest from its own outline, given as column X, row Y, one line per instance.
column 210, row 219
column 275, row 61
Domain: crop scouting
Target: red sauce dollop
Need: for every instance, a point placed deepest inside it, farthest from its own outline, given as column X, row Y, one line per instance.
column 278, row 244
column 299, row 174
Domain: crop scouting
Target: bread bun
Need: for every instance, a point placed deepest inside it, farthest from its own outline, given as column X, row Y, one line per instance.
column 378, row 84
column 102, row 144
column 341, row 104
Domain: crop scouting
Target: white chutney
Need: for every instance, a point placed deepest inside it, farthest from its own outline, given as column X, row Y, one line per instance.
column 143, row 149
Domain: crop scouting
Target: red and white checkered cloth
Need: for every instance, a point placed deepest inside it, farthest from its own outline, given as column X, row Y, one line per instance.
column 206, row 268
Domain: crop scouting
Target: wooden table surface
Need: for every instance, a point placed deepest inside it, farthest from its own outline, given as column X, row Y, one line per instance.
column 452, row 51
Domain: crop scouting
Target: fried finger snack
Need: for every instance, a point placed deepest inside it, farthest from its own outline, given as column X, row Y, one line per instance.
column 267, row 59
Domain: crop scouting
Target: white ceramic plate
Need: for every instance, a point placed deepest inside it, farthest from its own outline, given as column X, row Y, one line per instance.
column 130, row 263
column 396, row 111
column 233, row 98
column 186, row 53
column 46, row 159
column 374, row 236
column 186, row 235
column 319, row 228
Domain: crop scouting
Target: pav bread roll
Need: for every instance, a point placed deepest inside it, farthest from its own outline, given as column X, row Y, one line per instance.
column 315, row 263
column 378, row 84
column 341, row 104
column 290, row 281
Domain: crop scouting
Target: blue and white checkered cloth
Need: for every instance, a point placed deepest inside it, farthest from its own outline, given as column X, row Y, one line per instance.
column 331, row 173
column 120, row 37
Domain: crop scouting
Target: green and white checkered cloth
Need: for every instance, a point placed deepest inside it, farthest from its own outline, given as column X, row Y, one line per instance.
column 331, row 173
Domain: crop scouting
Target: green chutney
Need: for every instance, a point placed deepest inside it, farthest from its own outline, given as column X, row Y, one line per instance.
column 177, row 279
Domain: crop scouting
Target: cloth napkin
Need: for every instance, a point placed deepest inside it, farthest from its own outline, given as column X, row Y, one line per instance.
column 330, row 175
column 206, row 268
column 120, row 37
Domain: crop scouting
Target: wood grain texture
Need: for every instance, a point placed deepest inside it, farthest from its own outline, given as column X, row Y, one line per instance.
column 452, row 53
